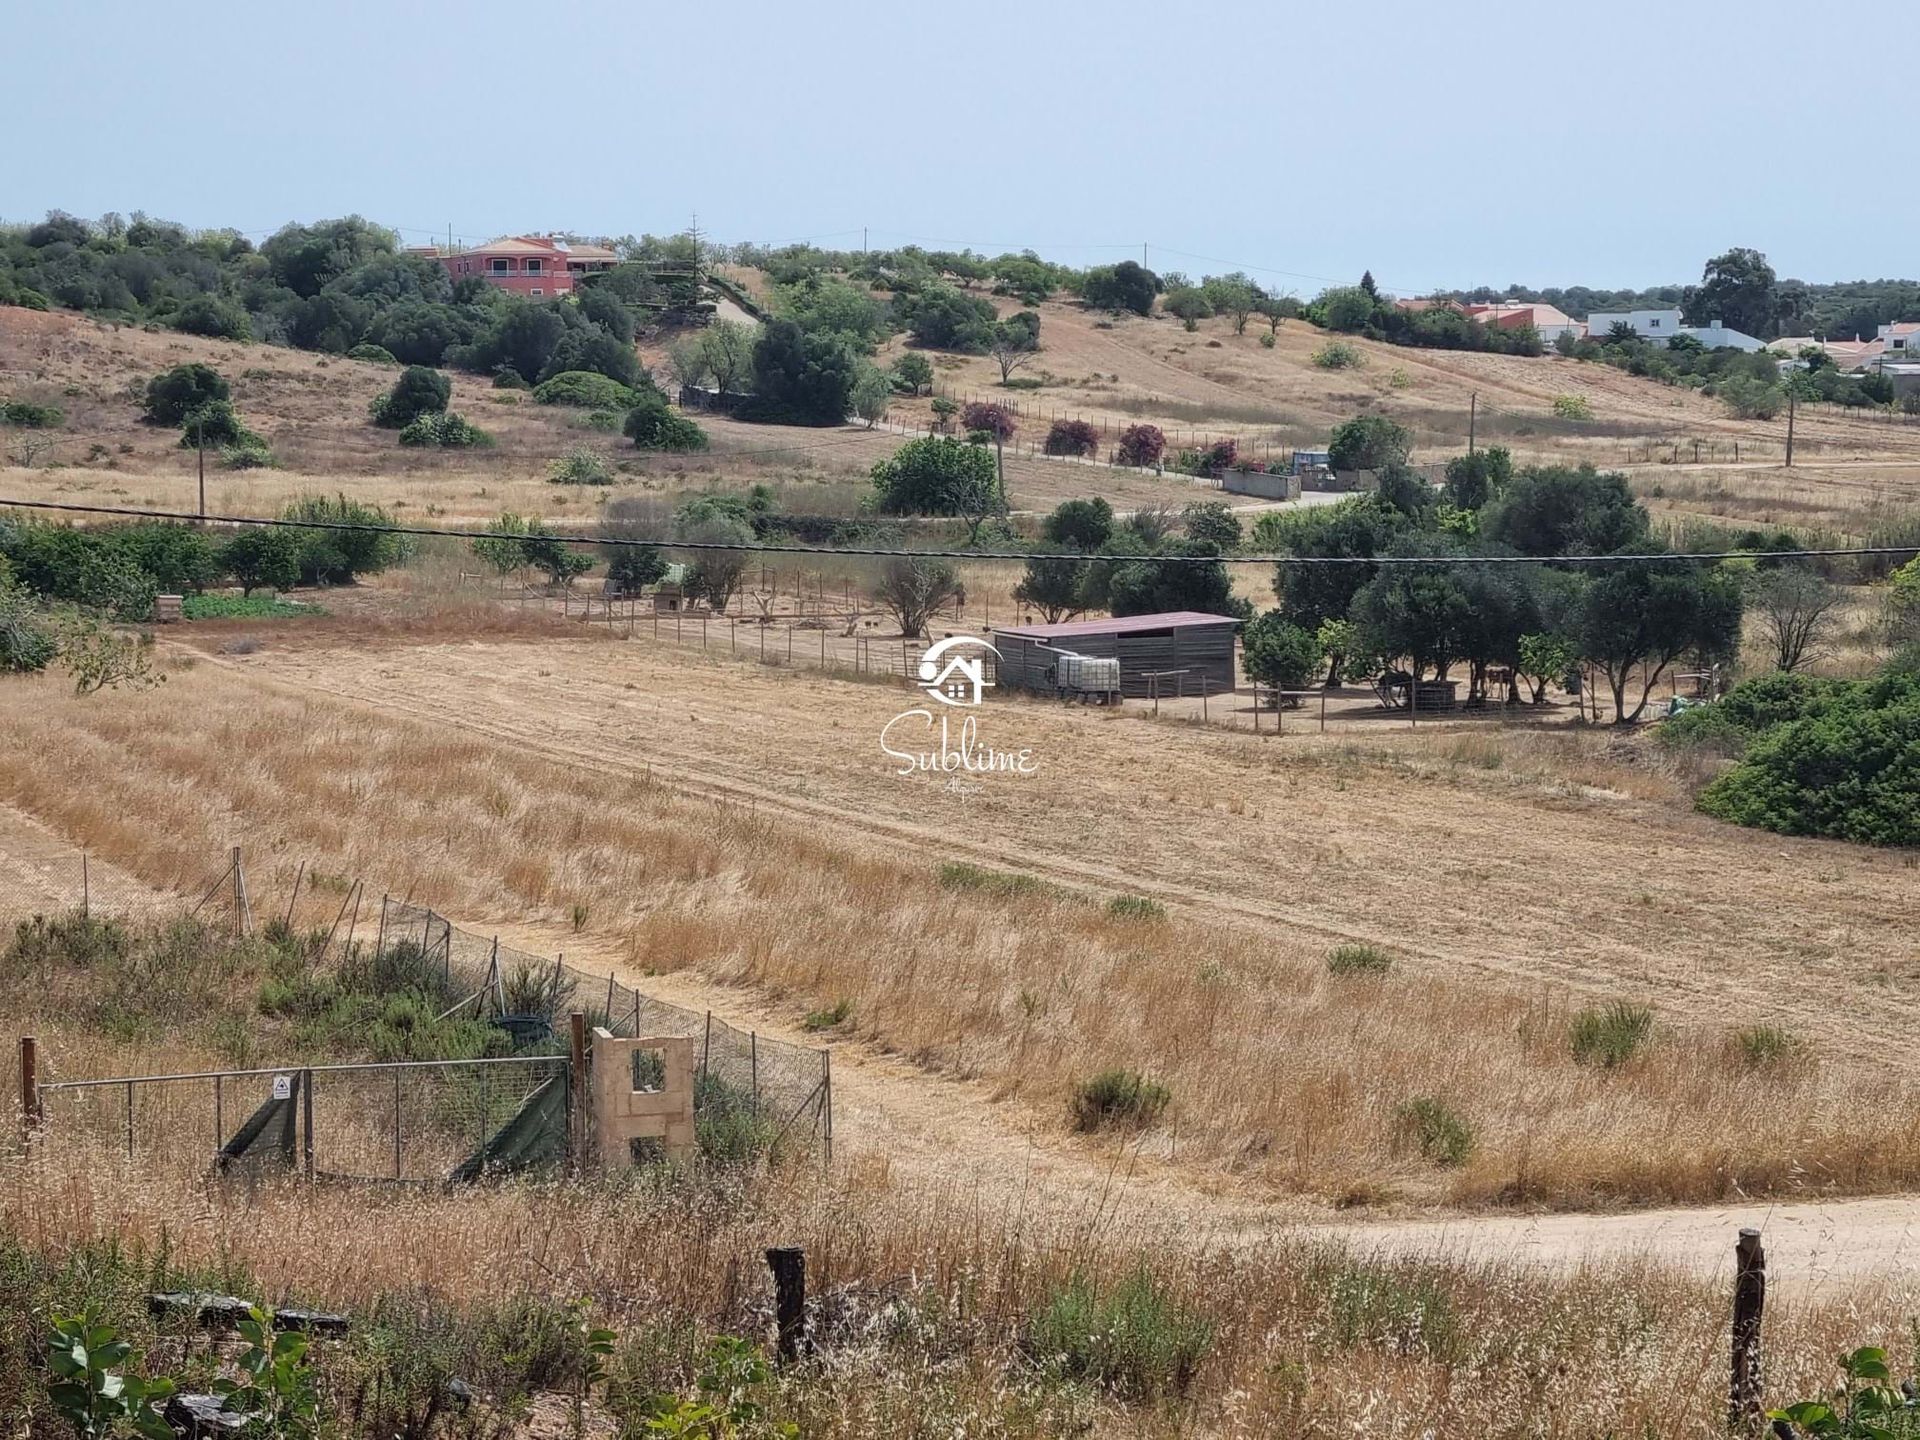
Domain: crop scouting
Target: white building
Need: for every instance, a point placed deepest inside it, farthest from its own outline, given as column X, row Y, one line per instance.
column 1660, row 326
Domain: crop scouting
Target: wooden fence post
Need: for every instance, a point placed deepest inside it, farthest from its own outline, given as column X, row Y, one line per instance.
column 577, row 1088
column 29, row 1087
column 789, row 1266
column 1749, row 1303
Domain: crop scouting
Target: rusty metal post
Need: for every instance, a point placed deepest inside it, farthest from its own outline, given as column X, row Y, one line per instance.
column 789, row 1266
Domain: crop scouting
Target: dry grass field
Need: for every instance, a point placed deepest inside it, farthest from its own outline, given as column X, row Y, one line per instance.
column 740, row 823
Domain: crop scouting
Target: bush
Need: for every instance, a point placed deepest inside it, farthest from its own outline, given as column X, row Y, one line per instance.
column 419, row 391
column 1358, row 960
column 1572, row 407
column 216, row 424
column 652, row 426
column 263, row 556
column 1142, row 445
column 183, row 390
column 1073, row 437
column 373, row 354
column 935, row 475
column 27, row 639
column 1751, row 399
column 1766, row 1047
column 210, row 315
column 1135, row 907
column 606, row 422
column 1267, row 342
column 1369, row 442
column 1118, row 1100
column 29, row 416
column 834, row 1014
column 1003, row 884
column 337, row 556
column 244, row 607
column 1280, row 653
column 250, row 454
column 447, row 430
column 1135, row 1339
column 1440, row 1134
column 1611, row 1035
column 585, row 390
column 1339, row 355
column 996, row 420
column 580, row 466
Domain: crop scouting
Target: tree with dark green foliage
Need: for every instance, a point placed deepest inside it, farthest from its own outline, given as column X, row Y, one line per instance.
column 938, row 475
column 913, row 373
column 350, row 546
column 1212, row 522
column 1127, row 286
column 1358, row 528
column 1369, row 442
column 419, row 391
column 652, row 425
column 416, row 332
column 216, row 425
column 588, row 347
column 1279, row 653
column 1079, row 524
column 1397, row 484
column 263, row 556
column 552, row 556
column 304, row 258
column 943, row 318
column 523, row 336
column 1636, row 620
column 1473, row 480
column 1055, row 585
column 1561, row 510
column 181, row 391
column 799, row 379
column 1158, row 582
column 1736, row 289
column 212, row 316
column 180, row 558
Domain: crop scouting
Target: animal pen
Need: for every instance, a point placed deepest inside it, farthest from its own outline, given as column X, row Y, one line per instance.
column 1173, row 654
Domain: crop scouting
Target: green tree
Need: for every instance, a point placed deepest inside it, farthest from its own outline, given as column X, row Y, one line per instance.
column 1188, row 305
column 913, row 372
column 1737, row 289
column 1359, row 528
column 872, row 393
column 263, row 556
column 1234, row 296
column 1126, row 286
column 1349, row 311
column 727, row 347
column 1014, row 342
column 503, row 546
column 714, row 575
column 653, row 425
column 799, row 378
column 914, row 588
column 419, row 391
column 1560, row 510
column 182, row 391
column 1369, row 442
column 1279, row 653
column 1055, row 585
column 304, row 258
column 552, row 556
column 351, row 542
column 1212, row 522
column 1637, row 619
column 943, row 318
column 1081, row 524
column 938, row 475
column 1166, row 580
column 1473, row 480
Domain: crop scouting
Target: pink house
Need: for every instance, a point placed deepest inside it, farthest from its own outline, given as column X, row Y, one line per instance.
column 537, row 266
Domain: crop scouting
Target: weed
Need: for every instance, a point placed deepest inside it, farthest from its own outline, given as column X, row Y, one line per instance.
column 1358, row 960
column 1767, row 1047
column 1118, row 1099
column 1134, row 1339
column 834, row 1014
column 1002, row 884
column 1611, row 1035
column 243, row 607
column 1441, row 1135
column 1135, row 907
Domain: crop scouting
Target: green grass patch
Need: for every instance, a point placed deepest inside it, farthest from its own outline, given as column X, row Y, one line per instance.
column 1358, row 960
column 834, row 1014
column 1003, row 884
column 1611, row 1035
column 1116, row 1100
column 1767, row 1047
column 1439, row 1133
column 244, row 607
column 1135, row 907
column 1132, row 1338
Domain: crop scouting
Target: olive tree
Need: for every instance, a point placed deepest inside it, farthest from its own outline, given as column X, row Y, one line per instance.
column 913, row 589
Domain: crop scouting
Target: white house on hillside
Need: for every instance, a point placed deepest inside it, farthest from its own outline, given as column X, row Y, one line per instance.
column 1660, row 326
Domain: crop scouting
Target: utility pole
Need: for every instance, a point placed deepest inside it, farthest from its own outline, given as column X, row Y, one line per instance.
column 1790, row 410
column 200, row 455
column 1473, row 415
column 863, row 239
column 1143, row 256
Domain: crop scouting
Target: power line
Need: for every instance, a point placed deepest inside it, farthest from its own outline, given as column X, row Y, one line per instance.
column 883, row 552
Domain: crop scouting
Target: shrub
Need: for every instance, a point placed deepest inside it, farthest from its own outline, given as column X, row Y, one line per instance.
column 447, row 430
column 580, row 466
column 373, row 354
column 1369, row 442
column 834, row 1014
column 29, row 416
column 1611, row 1035
column 1766, row 1047
column 1118, row 1100
column 1267, row 341
column 217, row 424
column 1134, row 1339
column 1072, row 437
column 996, row 420
column 1339, row 355
column 419, row 391
column 1751, row 399
column 1281, row 654
column 913, row 372
column 1135, row 907
column 1572, row 407
column 1358, row 960
column 936, row 475
column 505, row 377
column 1142, row 445
column 958, row 875
column 263, row 556
column 1440, row 1134
column 27, row 639
column 210, row 315
column 181, row 391
column 586, row 390
column 337, row 556
column 652, row 426
column 607, row 422
column 250, row 454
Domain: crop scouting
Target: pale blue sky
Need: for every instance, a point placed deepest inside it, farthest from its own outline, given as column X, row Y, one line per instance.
column 1439, row 144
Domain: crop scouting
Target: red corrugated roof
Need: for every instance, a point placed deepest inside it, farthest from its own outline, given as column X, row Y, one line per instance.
column 1122, row 625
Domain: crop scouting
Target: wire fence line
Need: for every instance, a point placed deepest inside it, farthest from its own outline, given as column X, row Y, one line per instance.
column 418, row 1121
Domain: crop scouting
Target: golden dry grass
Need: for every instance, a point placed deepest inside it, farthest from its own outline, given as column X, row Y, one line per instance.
column 741, row 823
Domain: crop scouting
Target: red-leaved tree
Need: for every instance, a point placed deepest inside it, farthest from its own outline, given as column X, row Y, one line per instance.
column 1072, row 437
column 1142, row 445
column 996, row 420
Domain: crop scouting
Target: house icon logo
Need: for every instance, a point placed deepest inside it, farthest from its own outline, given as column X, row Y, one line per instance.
column 953, row 676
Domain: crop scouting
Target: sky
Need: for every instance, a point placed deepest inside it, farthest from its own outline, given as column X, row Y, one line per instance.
column 1438, row 144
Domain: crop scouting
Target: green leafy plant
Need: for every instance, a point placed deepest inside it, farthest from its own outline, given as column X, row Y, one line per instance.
column 92, row 1387
column 275, row 1386
column 580, row 466
column 1133, row 1338
column 1358, row 960
column 726, row 1407
column 1767, row 1047
column 834, row 1014
column 1338, row 355
column 1611, row 1035
column 1572, row 407
column 1439, row 1133
column 1135, row 907
column 1868, row 1406
column 1118, row 1100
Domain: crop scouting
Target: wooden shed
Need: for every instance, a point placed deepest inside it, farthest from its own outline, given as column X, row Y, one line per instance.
column 1187, row 649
